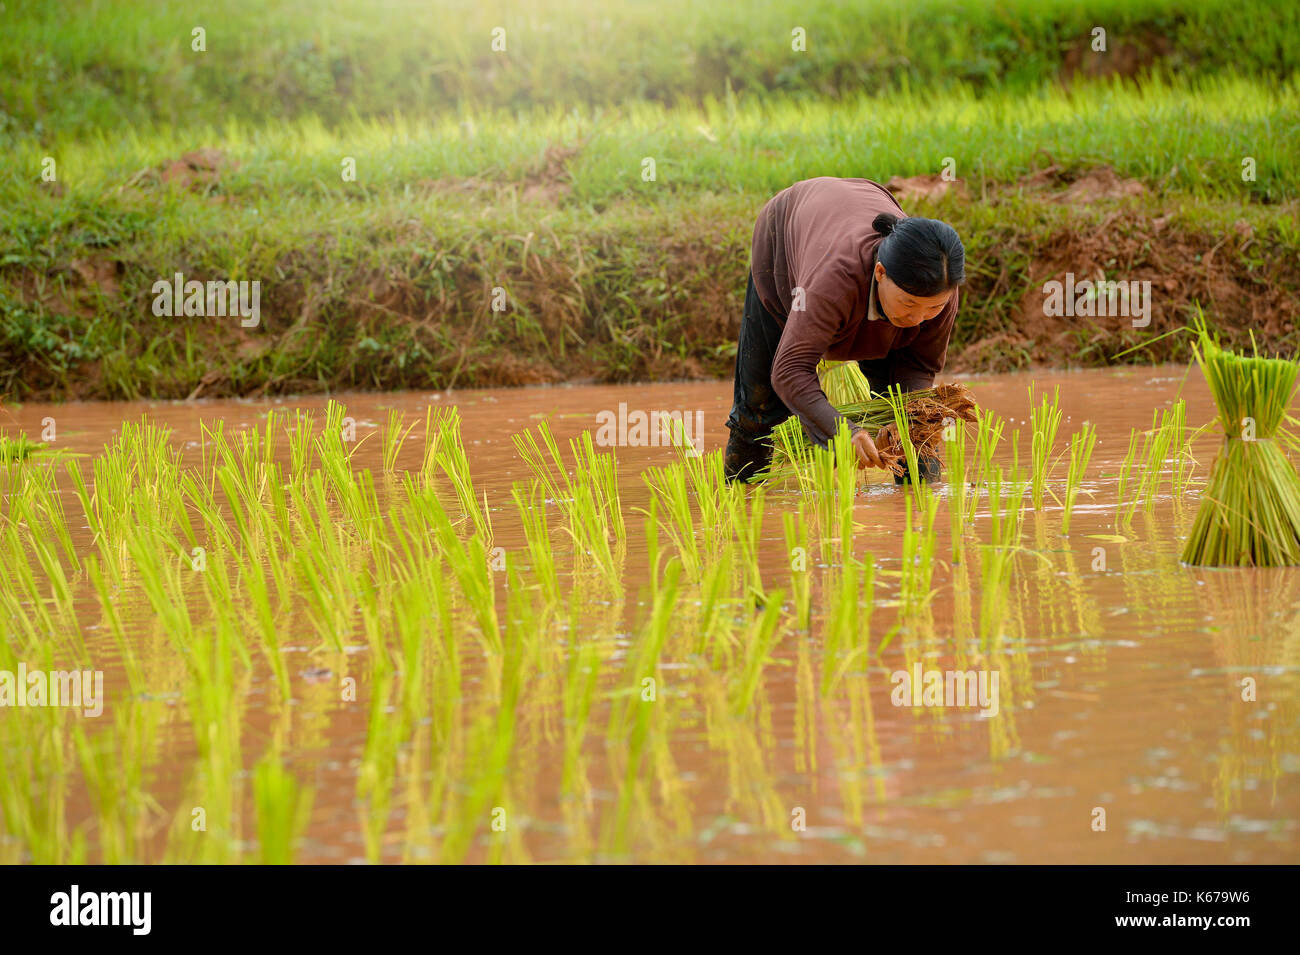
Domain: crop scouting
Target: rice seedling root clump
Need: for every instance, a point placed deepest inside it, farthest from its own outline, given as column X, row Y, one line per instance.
column 928, row 413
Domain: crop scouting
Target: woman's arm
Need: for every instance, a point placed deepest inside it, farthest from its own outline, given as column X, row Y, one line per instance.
column 804, row 341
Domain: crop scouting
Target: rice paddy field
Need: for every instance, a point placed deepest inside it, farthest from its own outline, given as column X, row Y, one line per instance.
column 351, row 631
column 370, row 577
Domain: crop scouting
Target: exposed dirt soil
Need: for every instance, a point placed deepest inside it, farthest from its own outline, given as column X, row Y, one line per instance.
column 929, row 188
column 1128, row 56
column 195, row 171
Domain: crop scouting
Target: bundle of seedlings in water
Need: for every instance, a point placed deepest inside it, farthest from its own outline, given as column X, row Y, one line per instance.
column 17, row 449
column 928, row 413
column 1250, row 510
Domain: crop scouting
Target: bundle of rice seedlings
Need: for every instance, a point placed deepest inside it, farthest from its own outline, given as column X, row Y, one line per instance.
column 17, row 449
column 1250, row 511
column 928, row 413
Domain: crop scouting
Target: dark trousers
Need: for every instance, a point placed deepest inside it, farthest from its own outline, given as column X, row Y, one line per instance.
column 755, row 408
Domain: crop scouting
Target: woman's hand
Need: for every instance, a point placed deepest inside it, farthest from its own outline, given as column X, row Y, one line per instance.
column 868, row 455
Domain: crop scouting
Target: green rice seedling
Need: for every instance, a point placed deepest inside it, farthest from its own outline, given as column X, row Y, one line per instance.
column 792, row 457
column 25, row 598
column 151, row 558
column 455, row 464
column 1006, row 508
column 590, row 500
column 1180, row 447
column 710, row 487
column 825, row 512
column 468, row 562
column 668, row 485
column 60, row 592
column 846, row 486
column 19, row 448
column 1156, row 451
column 224, row 609
column 1082, row 443
column 1126, row 472
column 253, row 585
column 283, row 808
column 599, row 470
column 855, row 623
column 989, row 428
column 591, row 538
column 844, row 383
column 301, row 440
column 1250, row 509
column 1144, row 466
column 1045, row 421
column 531, row 505
column 394, row 437
column 355, row 491
column 46, row 505
column 898, row 405
column 962, row 496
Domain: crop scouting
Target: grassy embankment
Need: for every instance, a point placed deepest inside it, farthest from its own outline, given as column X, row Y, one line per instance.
column 387, row 281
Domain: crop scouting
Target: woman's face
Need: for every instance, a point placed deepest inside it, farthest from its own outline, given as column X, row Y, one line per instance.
column 904, row 309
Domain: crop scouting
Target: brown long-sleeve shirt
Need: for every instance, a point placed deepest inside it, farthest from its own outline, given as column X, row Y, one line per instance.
column 816, row 236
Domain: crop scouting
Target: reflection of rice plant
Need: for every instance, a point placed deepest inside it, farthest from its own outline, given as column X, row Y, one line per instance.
column 283, row 806
column 1250, row 510
column 997, row 559
column 531, row 504
column 962, row 494
column 846, row 631
column 919, row 544
column 796, row 543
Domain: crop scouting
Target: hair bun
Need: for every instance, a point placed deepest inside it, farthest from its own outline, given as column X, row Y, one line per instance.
column 884, row 223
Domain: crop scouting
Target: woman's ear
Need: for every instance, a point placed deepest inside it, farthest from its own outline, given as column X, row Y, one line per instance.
column 880, row 272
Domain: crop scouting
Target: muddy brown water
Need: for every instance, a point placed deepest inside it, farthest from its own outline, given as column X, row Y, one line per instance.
column 1121, row 674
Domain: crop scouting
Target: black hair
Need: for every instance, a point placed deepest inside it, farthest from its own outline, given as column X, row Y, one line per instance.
column 923, row 257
